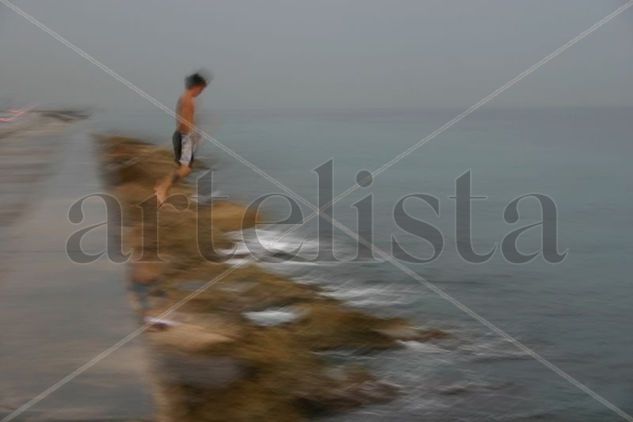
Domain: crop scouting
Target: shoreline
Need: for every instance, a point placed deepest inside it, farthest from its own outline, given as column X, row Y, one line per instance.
column 244, row 347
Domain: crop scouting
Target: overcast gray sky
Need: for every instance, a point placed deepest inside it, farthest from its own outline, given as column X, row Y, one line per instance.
column 326, row 53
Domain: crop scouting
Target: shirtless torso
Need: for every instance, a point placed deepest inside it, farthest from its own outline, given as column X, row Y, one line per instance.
column 185, row 109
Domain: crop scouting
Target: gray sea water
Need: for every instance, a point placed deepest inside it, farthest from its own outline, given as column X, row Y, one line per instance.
column 575, row 314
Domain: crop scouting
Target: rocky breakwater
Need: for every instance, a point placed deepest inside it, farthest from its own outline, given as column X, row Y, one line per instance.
column 242, row 347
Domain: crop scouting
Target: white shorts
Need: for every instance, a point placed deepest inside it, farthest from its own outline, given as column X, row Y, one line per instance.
column 185, row 147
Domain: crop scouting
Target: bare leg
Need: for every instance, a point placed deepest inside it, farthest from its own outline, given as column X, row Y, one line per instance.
column 162, row 189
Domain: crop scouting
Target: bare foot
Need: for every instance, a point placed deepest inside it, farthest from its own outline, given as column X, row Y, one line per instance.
column 161, row 194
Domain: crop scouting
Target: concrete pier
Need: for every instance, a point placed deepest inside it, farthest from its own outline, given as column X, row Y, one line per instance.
column 55, row 314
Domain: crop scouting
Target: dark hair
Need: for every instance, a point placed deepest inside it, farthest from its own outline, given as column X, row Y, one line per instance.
column 195, row 80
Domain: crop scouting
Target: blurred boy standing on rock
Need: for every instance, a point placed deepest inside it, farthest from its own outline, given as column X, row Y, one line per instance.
column 185, row 138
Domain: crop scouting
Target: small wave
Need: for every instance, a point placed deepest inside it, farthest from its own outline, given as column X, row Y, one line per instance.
column 495, row 349
column 366, row 296
column 272, row 245
column 423, row 347
column 261, row 243
column 463, row 387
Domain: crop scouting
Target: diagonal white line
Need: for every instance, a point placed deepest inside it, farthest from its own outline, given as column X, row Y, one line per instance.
column 467, row 310
column 437, row 132
column 518, row 344
column 116, row 346
column 152, row 100
column 344, row 228
column 518, row 78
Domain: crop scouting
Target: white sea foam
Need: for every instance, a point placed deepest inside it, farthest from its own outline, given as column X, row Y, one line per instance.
column 423, row 347
column 262, row 242
column 365, row 296
column 271, row 317
column 492, row 349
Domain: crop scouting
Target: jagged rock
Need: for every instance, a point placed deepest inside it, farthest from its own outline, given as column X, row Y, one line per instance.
column 215, row 372
column 188, row 338
column 350, row 388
